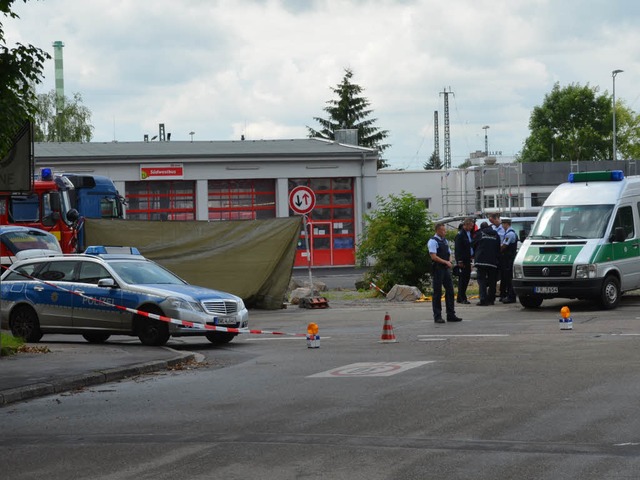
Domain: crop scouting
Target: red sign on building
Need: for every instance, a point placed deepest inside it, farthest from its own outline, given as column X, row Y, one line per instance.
column 174, row 171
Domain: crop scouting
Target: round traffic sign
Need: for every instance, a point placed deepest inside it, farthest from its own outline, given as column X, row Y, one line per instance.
column 302, row 200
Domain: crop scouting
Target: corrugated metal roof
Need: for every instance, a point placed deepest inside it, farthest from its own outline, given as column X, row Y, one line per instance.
column 244, row 148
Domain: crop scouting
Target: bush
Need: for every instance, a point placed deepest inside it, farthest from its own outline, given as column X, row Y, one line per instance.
column 396, row 236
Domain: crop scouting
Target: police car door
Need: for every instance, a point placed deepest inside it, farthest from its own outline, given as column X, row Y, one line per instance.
column 52, row 296
column 625, row 254
column 94, row 308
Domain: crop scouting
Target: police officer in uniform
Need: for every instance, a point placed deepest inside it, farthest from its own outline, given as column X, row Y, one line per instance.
column 508, row 250
column 441, row 274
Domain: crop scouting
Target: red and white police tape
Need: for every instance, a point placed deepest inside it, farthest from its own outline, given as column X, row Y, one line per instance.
column 162, row 317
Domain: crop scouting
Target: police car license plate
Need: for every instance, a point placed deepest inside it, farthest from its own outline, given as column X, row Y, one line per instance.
column 226, row 321
column 545, row 289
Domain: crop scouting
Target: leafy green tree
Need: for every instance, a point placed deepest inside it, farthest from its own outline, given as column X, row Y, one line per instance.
column 573, row 123
column 71, row 124
column 21, row 68
column 627, row 132
column 396, row 238
column 351, row 111
column 434, row 162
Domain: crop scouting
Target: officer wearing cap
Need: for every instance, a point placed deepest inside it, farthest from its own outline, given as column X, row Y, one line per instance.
column 508, row 250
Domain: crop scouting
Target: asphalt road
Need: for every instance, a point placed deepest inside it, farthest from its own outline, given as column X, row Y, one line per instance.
column 504, row 394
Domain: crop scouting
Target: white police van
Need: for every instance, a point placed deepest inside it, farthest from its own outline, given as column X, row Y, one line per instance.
column 585, row 243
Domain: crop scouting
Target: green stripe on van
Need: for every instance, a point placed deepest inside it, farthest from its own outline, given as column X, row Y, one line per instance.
column 552, row 255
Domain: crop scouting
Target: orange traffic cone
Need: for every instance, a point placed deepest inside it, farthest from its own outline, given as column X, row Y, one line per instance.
column 387, row 331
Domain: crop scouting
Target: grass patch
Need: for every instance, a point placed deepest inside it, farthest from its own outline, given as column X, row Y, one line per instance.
column 9, row 345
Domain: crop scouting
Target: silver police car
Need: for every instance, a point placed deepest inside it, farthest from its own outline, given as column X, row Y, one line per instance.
column 88, row 293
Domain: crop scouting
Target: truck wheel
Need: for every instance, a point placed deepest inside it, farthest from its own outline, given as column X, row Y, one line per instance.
column 96, row 337
column 530, row 301
column 220, row 338
column 153, row 333
column 610, row 294
column 24, row 323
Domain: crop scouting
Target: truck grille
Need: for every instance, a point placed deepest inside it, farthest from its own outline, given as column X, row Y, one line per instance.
column 220, row 307
column 555, row 271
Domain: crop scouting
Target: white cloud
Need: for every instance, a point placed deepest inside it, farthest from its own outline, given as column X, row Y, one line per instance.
column 265, row 68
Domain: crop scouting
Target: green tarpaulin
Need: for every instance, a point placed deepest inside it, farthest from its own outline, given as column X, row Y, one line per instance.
column 251, row 259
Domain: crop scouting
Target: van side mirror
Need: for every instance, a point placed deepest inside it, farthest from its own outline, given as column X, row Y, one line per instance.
column 618, row 235
column 523, row 235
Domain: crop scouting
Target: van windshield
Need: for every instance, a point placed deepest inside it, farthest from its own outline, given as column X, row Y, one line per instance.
column 583, row 221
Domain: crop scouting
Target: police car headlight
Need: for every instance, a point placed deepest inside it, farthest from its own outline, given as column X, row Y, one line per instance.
column 240, row 305
column 517, row 271
column 181, row 304
column 586, row 271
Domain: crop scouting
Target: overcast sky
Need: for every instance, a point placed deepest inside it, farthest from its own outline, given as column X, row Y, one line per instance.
column 264, row 68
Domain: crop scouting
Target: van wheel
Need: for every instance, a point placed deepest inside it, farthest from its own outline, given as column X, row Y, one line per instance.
column 530, row 301
column 152, row 333
column 610, row 294
column 24, row 323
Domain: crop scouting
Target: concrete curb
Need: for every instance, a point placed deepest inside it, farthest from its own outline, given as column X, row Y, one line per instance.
column 96, row 377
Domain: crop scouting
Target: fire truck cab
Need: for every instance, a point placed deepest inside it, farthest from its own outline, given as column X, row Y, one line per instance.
column 47, row 206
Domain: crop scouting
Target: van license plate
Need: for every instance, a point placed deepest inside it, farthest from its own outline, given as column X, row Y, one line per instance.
column 545, row 289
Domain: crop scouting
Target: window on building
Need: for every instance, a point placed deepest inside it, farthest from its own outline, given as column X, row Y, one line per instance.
column 516, row 200
column 242, row 199
column 538, row 199
column 161, row 200
column 489, row 201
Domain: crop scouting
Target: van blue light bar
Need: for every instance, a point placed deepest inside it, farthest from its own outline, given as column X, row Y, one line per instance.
column 607, row 176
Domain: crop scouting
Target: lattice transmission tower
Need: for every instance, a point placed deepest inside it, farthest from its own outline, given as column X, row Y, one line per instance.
column 436, row 137
column 447, row 136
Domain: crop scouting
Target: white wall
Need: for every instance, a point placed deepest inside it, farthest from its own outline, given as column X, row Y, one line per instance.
column 449, row 192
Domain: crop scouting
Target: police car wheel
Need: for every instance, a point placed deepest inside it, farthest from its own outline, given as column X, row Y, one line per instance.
column 152, row 333
column 96, row 337
column 610, row 296
column 220, row 338
column 24, row 323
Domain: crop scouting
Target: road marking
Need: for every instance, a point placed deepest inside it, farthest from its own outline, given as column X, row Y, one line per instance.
column 268, row 339
column 469, row 335
column 370, row 369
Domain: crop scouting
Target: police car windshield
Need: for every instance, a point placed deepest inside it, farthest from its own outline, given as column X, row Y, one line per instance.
column 141, row 272
column 583, row 221
column 21, row 240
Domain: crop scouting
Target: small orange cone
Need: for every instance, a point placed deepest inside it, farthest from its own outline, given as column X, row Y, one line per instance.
column 387, row 331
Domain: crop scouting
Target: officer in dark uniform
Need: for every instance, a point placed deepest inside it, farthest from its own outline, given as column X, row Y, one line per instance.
column 508, row 250
column 441, row 274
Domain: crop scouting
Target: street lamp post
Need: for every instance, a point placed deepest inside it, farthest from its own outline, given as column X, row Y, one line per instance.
column 615, row 150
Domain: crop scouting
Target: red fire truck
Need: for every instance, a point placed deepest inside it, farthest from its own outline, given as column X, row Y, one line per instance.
column 47, row 206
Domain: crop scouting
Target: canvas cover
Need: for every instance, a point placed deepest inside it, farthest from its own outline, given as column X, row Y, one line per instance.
column 251, row 259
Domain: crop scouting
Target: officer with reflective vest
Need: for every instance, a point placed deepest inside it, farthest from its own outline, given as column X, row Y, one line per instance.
column 508, row 250
column 441, row 275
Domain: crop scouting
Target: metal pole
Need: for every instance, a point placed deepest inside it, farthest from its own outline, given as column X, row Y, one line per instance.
column 306, row 241
column 615, row 148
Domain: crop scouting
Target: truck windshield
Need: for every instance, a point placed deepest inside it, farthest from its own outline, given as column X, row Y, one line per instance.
column 583, row 221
